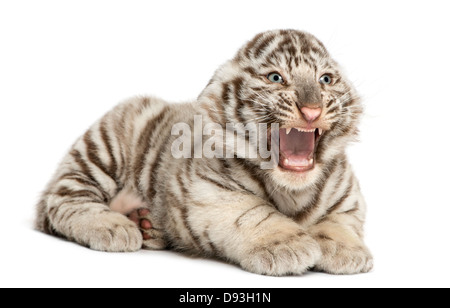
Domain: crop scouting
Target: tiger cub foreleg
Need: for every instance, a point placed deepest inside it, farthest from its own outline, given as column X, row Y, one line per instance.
column 248, row 231
column 343, row 249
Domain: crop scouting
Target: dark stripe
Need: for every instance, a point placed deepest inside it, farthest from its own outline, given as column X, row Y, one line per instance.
column 305, row 46
column 240, row 104
column 213, row 114
column 254, row 173
column 354, row 209
column 237, row 222
column 291, row 61
column 251, row 71
column 66, row 217
column 111, row 232
column 226, row 169
column 286, row 42
column 212, row 181
column 314, row 203
column 79, row 179
column 195, row 238
column 181, row 184
column 257, row 89
column 211, row 245
column 82, row 212
column 283, row 107
column 188, row 169
column 67, row 192
column 323, row 236
column 272, row 56
column 263, row 220
column 84, row 166
column 340, row 179
column 151, row 191
column 177, row 241
column 311, row 63
column 262, row 46
column 119, row 132
column 107, row 141
column 286, row 100
column 287, row 115
column 226, row 90
column 92, row 154
column 47, row 227
column 344, row 130
column 330, row 111
column 220, row 110
column 341, row 200
column 145, row 103
column 251, row 45
column 330, row 103
column 349, row 102
column 144, row 144
column 86, row 172
column 302, row 234
column 290, row 58
column 316, row 50
column 52, row 212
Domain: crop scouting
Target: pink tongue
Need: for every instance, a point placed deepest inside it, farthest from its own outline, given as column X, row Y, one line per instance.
column 297, row 147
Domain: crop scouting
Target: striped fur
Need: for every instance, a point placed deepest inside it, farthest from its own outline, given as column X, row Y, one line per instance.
column 268, row 221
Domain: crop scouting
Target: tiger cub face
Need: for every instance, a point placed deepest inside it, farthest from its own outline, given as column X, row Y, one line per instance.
column 288, row 77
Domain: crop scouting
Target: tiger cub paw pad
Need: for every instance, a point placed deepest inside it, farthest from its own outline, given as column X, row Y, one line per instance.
column 141, row 218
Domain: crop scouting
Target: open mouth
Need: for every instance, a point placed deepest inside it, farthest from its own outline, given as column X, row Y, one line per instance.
column 298, row 148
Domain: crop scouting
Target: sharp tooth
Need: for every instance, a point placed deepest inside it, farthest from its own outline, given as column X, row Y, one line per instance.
column 311, row 161
column 299, row 129
column 288, row 130
column 286, row 161
column 320, row 131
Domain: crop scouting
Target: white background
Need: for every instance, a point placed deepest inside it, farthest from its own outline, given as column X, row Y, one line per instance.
column 63, row 64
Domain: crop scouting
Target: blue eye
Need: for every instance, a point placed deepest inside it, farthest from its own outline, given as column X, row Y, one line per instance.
column 275, row 78
column 325, row 79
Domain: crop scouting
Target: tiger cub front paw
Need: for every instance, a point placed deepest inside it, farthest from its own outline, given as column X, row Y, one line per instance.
column 293, row 255
column 341, row 259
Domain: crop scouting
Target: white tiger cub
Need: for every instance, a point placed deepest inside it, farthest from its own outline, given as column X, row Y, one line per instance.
column 121, row 187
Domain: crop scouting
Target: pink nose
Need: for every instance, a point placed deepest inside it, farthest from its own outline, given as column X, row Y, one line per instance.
column 311, row 114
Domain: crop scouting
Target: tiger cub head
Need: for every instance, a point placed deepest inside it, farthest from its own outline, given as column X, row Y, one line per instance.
column 287, row 77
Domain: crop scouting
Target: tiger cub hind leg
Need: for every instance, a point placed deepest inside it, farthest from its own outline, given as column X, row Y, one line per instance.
column 137, row 210
column 95, row 226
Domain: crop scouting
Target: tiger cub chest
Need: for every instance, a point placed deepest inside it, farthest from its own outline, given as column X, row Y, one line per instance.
column 293, row 203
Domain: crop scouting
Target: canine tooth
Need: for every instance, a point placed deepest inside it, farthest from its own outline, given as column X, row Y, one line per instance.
column 311, row 161
column 288, row 130
column 286, row 161
column 320, row 131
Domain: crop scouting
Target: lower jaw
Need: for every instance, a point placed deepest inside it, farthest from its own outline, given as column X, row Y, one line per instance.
column 296, row 169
